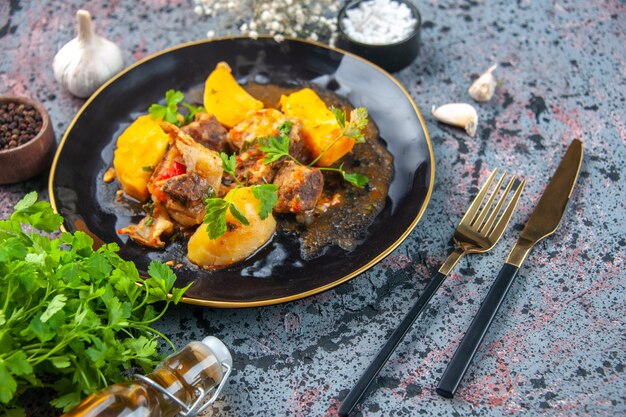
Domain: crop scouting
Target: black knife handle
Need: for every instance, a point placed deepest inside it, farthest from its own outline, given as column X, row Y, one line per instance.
column 464, row 354
column 379, row 361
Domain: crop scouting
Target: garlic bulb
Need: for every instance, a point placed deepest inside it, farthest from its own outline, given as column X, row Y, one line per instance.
column 458, row 114
column 483, row 88
column 87, row 61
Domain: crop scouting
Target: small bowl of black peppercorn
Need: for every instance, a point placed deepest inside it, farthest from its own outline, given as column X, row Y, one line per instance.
column 26, row 139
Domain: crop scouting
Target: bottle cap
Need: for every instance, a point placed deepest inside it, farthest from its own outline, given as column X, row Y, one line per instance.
column 219, row 349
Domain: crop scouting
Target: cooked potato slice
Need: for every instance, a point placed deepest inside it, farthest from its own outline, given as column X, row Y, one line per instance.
column 320, row 128
column 239, row 241
column 139, row 149
column 225, row 98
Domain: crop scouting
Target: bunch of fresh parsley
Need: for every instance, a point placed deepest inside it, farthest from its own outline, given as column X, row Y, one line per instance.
column 71, row 318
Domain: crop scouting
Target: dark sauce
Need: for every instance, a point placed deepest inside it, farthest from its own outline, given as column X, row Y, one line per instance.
column 349, row 210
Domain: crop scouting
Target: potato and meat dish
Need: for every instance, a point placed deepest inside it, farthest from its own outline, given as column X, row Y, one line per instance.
column 248, row 162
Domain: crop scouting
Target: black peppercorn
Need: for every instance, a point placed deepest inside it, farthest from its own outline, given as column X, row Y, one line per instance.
column 18, row 124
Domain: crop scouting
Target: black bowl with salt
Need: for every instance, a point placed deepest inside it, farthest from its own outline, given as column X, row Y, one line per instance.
column 385, row 32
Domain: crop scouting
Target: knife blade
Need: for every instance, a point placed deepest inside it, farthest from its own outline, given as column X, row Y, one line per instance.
column 543, row 222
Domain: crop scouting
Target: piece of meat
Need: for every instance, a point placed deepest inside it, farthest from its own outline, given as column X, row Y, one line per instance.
column 257, row 124
column 263, row 123
column 297, row 147
column 151, row 228
column 299, row 188
column 251, row 168
column 207, row 131
column 186, row 194
column 184, row 177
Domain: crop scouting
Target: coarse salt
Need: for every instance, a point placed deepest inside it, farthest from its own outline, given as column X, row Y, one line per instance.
column 379, row 22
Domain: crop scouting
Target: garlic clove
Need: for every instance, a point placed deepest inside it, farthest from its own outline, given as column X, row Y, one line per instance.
column 87, row 61
column 458, row 114
column 485, row 86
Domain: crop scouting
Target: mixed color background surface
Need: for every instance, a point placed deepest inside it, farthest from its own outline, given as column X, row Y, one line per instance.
column 558, row 345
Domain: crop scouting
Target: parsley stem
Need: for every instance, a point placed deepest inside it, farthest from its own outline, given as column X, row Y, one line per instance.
column 59, row 346
column 152, row 320
column 295, row 160
column 326, row 149
column 149, row 329
column 331, row 169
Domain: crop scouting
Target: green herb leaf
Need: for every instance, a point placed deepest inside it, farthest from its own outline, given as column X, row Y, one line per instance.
column 14, row 412
column 193, row 110
column 355, row 179
column 157, row 111
column 215, row 218
column 358, row 121
column 267, row 196
column 35, row 214
column 173, row 97
column 163, row 273
column 169, row 111
column 8, row 386
column 340, row 116
column 26, row 202
column 275, row 147
column 67, row 401
column 57, row 303
column 18, row 364
column 285, row 128
column 237, row 214
column 228, row 163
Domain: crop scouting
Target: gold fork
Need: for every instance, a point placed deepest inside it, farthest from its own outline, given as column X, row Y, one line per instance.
column 478, row 231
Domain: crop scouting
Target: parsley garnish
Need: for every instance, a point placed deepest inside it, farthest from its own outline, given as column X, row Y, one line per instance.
column 169, row 111
column 69, row 313
column 276, row 147
column 192, row 112
column 217, row 208
column 267, row 195
column 353, row 178
column 215, row 218
column 229, row 164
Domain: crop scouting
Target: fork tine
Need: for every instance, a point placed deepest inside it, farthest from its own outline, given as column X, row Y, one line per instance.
column 478, row 200
column 476, row 224
column 508, row 212
column 493, row 216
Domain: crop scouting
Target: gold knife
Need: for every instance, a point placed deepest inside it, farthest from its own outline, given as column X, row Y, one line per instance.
column 543, row 222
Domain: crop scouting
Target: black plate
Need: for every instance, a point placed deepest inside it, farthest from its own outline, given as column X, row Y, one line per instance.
column 276, row 273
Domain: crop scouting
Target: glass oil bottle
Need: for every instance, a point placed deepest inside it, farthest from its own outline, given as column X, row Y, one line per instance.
column 179, row 386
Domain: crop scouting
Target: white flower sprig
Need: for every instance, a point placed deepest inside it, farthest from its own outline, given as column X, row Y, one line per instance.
column 309, row 19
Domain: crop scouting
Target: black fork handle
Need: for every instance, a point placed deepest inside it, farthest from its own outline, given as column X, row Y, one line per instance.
column 464, row 354
column 357, row 392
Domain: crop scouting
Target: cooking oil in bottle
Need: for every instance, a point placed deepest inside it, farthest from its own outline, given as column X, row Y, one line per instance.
column 179, row 385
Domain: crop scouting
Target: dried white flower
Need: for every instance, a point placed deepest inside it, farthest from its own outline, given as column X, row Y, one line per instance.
column 311, row 19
